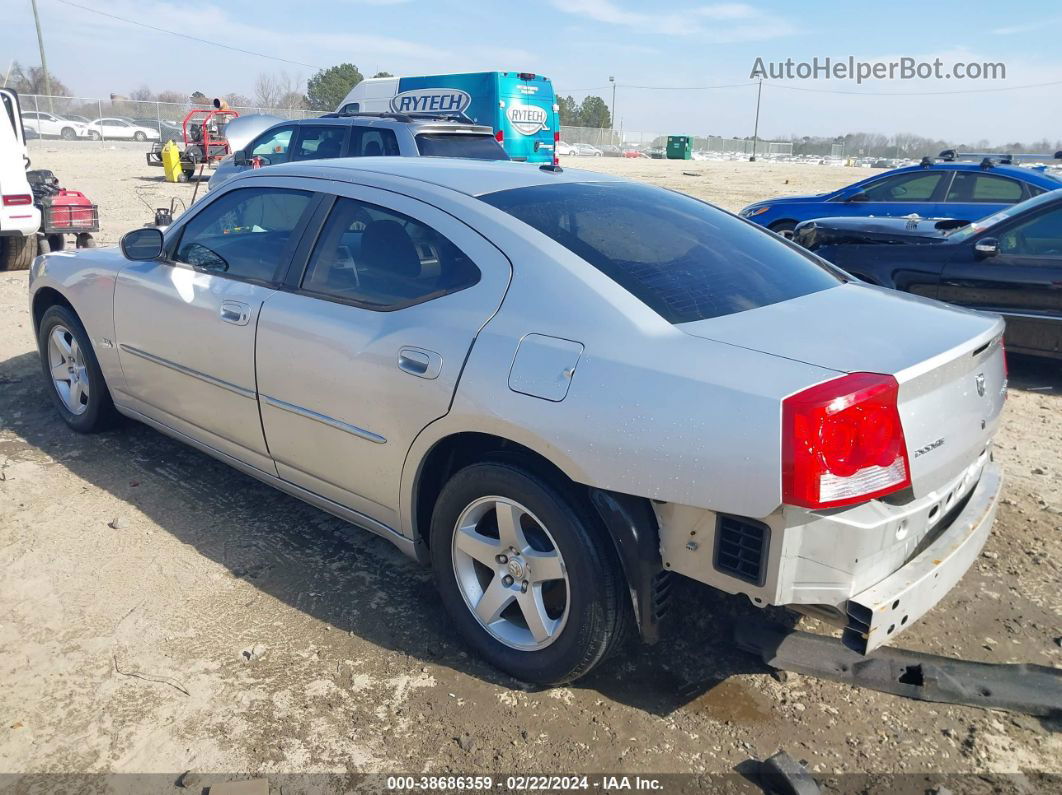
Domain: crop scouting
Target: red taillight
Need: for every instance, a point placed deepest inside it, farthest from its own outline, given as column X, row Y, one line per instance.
column 1006, row 369
column 842, row 442
column 556, row 136
column 500, row 136
column 17, row 200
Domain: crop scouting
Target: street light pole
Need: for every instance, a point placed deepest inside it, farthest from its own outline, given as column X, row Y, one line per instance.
column 612, row 111
column 756, row 126
column 44, row 61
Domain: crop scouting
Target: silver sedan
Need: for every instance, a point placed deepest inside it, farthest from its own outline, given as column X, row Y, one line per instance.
column 558, row 388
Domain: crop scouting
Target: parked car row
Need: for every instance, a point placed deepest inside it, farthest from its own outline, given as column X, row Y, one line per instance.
column 978, row 235
column 71, row 128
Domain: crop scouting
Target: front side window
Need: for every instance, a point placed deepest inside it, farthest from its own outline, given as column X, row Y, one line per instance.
column 1038, row 237
column 246, row 233
column 318, row 143
column 381, row 259
column 373, row 142
column 918, row 187
column 274, row 146
column 970, row 187
column 684, row 259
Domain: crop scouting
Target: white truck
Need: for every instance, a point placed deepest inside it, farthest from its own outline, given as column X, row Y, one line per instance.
column 19, row 218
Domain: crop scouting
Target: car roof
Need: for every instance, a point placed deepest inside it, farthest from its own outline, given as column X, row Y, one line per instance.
column 388, row 121
column 1024, row 173
column 471, row 177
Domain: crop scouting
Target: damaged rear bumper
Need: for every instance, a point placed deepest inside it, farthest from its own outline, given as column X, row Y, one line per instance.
column 876, row 615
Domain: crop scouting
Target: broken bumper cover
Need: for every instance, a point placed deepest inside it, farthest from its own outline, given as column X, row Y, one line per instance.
column 878, row 614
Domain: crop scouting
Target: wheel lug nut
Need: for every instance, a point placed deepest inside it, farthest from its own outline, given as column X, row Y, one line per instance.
column 507, row 580
column 502, row 559
column 523, row 587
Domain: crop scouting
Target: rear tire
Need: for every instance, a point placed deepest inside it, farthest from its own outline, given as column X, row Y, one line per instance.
column 17, row 252
column 72, row 372
column 139, row 136
column 573, row 610
column 56, row 242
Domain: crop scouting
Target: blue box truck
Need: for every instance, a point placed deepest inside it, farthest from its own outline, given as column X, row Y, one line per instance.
column 519, row 106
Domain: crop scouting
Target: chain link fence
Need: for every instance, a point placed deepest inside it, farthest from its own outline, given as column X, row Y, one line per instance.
column 707, row 144
column 120, row 119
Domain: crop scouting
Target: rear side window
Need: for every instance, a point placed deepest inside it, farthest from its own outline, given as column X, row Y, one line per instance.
column 683, row 258
column 317, row 143
column 970, row 187
column 381, row 259
column 373, row 142
column 477, row 147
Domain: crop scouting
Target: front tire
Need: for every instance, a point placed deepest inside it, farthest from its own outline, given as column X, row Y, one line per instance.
column 139, row 136
column 93, row 135
column 73, row 373
column 526, row 574
column 783, row 228
column 17, row 252
column 68, row 134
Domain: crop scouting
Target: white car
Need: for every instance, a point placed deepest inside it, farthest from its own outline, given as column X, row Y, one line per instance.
column 120, row 129
column 565, row 149
column 467, row 358
column 586, row 150
column 50, row 125
column 19, row 217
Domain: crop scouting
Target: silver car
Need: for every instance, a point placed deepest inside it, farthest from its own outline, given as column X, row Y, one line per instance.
column 337, row 135
column 559, row 388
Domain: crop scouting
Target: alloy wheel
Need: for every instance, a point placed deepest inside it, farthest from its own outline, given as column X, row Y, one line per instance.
column 510, row 573
column 66, row 363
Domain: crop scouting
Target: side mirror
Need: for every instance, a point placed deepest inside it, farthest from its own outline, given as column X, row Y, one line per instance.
column 239, row 157
column 858, row 196
column 142, row 244
column 986, row 247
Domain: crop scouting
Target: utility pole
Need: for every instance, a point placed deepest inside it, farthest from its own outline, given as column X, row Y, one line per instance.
column 756, row 126
column 44, row 61
column 612, row 111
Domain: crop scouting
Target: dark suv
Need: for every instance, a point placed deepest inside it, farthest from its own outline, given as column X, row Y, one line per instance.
column 363, row 135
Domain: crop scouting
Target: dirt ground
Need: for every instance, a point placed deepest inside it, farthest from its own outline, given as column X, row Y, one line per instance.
column 160, row 612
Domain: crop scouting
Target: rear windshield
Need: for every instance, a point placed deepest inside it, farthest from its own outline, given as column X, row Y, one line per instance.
column 477, row 147
column 683, row 258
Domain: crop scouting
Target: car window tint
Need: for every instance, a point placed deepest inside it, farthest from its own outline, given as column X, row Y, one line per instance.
column 245, row 233
column 477, row 147
column 273, row 147
column 381, row 259
column 372, row 142
column 1038, row 237
column 316, row 143
column 917, row 187
column 683, row 258
column 971, row 187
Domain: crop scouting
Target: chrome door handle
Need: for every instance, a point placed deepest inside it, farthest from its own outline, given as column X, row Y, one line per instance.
column 235, row 312
column 420, row 362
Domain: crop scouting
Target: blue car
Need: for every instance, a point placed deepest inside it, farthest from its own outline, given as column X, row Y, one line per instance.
column 966, row 191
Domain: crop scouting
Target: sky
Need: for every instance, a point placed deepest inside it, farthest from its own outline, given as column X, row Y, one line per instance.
column 663, row 55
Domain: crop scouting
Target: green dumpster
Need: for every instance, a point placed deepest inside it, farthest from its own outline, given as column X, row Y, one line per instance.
column 679, row 147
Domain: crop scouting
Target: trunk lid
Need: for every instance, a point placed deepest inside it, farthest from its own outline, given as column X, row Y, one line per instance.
column 948, row 362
